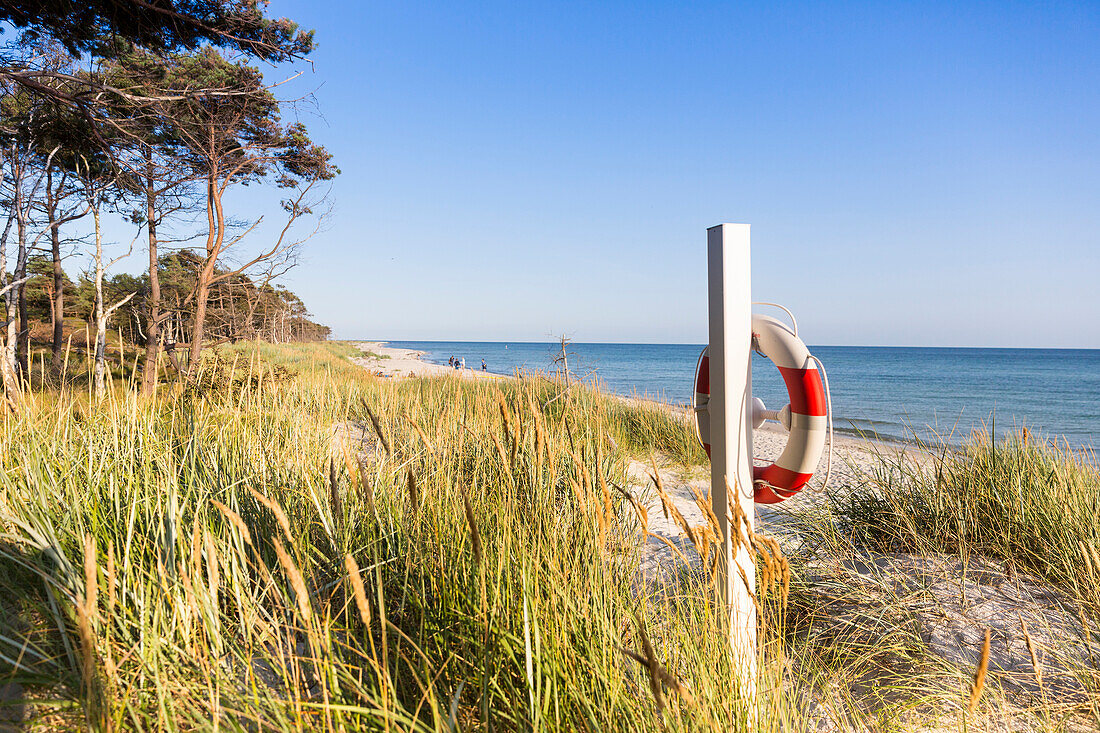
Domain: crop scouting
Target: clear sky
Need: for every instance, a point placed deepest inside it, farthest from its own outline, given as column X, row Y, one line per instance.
column 914, row 173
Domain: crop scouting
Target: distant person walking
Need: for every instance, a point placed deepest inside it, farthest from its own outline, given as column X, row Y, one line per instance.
column 483, row 367
column 450, row 361
column 462, row 361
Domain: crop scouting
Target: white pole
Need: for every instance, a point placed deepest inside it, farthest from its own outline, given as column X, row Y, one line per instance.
column 730, row 306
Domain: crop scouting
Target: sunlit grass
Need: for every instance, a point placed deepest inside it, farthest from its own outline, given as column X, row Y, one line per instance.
column 194, row 602
column 184, row 563
column 1024, row 501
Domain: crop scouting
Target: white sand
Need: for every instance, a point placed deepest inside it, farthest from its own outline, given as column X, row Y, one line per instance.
column 850, row 457
column 402, row 363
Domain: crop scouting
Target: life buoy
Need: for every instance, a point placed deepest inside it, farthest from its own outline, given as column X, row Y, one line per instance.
column 702, row 399
column 804, row 417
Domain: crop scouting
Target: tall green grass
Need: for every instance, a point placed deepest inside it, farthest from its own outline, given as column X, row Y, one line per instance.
column 1032, row 504
column 183, row 563
column 289, row 543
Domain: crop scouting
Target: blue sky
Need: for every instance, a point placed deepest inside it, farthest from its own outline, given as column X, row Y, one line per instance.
column 914, row 173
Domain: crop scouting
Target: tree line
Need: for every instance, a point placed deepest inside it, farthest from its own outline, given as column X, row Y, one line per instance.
column 238, row 308
column 150, row 111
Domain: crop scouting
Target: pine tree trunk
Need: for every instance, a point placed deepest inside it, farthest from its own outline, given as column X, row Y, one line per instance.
column 100, row 351
column 24, row 337
column 11, row 337
column 8, row 380
column 215, row 221
column 194, row 351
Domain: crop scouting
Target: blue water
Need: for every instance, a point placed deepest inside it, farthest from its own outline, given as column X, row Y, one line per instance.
column 893, row 392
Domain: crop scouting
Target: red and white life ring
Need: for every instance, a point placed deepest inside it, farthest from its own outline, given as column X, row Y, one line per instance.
column 804, row 417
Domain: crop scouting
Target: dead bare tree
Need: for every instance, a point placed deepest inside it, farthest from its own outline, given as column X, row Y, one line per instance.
column 60, row 208
column 96, row 184
column 23, row 181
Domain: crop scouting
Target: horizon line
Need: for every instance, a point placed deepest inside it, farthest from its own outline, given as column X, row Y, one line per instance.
column 700, row 344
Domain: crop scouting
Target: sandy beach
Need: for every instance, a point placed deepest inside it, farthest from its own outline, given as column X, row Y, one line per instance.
column 387, row 361
column 849, row 453
column 850, row 456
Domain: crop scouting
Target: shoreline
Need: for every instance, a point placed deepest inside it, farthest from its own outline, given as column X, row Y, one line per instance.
column 401, row 362
column 935, row 401
column 395, row 363
column 851, row 454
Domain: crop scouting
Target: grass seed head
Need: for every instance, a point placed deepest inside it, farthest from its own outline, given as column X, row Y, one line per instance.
column 274, row 508
column 475, row 535
column 652, row 665
column 978, row 684
column 377, row 428
column 642, row 513
column 414, row 492
column 235, row 520
column 297, row 582
column 196, row 547
column 504, row 416
column 366, row 489
column 540, row 432
column 684, row 526
column 578, row 495
column 672, row 546
column 500, row 450
column 357, row 589
column 1086, row 627
column 748, row 586
column 1031, row 651
column 423, row 437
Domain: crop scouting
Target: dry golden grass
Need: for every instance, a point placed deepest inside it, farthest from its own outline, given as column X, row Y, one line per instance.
column 471, row 569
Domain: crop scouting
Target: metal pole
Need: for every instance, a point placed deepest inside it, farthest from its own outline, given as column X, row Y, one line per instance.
column 730, row 306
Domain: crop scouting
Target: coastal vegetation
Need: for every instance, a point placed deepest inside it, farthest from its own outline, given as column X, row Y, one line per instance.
column 212, row 518
column 289, row 542
column 144, row 116
column 238, row 308
column 1027, row 502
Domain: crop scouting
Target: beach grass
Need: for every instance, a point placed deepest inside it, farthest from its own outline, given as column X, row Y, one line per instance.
column 291, row 543
column 177, row 562
column 1029, row 503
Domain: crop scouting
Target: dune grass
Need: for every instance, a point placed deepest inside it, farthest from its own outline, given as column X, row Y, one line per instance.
column 1029, row 503
column 218, row 556
column 293, row 544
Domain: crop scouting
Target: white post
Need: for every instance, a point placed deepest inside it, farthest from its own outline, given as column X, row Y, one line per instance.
column 730, row 310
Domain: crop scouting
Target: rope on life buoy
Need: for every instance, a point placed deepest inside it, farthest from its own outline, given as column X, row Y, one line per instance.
column 785, row 309
column 829, row 417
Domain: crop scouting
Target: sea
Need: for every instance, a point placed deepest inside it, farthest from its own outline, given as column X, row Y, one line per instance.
column 895, row 393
